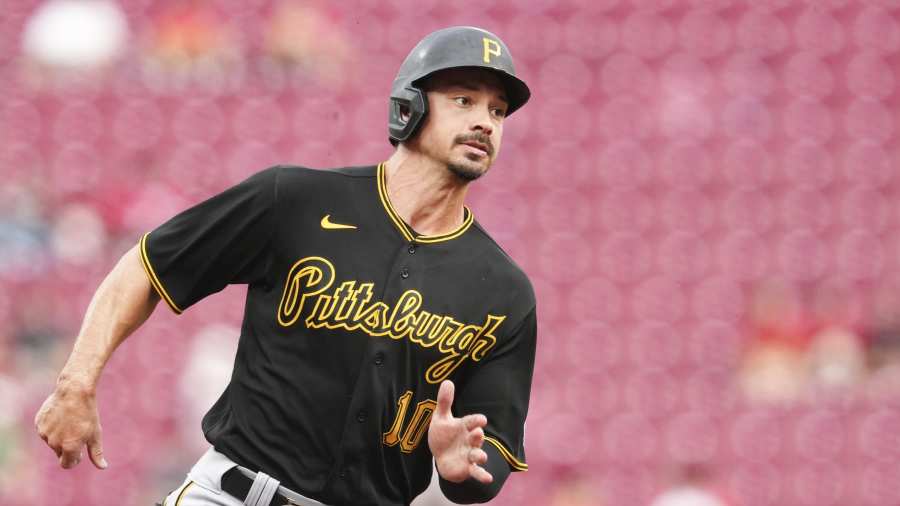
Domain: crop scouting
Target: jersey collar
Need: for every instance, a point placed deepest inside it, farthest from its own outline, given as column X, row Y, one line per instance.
column 408, row 233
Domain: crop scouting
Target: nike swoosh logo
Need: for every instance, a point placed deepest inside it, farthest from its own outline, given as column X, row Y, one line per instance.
column 327, row 224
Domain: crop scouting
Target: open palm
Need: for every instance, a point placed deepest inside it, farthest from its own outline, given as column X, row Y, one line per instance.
column 456, row 442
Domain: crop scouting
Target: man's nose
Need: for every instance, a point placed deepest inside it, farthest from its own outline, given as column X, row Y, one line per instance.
column 482, row 122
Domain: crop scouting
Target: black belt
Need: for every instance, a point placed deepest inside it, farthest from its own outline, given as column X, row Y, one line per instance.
column 235, row 483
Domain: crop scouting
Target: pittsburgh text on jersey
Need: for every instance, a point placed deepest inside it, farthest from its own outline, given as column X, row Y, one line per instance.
column 350, row 307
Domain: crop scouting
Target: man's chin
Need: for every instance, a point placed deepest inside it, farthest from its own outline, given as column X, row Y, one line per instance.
column 469, row 170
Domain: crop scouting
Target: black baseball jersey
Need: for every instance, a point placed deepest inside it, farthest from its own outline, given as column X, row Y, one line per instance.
column 352, row 320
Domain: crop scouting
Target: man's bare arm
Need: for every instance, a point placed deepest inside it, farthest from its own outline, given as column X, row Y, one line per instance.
column 68, row 420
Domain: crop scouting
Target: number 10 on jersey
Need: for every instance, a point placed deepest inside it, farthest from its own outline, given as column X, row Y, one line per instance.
column 410, row 436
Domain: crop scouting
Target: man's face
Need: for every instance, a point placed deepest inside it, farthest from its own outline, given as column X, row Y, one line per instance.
column 464, row 125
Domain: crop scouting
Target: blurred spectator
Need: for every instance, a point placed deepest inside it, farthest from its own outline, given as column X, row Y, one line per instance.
column 191, row 43
column 883, row 352
column 75, row 33
column 836, row 360
column 23, row 234
column 797, row 350
column 65, row 36
column 305, row 36
column 204, row 378
column 774, row 363
column 577, row 491
column 692, row 485
column 79, row 235
column 836, row 356
column 13, row 399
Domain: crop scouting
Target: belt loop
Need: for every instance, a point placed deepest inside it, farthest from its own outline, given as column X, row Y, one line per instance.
column 262, row 491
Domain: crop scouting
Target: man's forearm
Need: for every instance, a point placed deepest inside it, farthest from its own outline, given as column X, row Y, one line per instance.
column 122, row 302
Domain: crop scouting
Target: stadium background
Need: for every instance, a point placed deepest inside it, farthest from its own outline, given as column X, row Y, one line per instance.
column 703, row 193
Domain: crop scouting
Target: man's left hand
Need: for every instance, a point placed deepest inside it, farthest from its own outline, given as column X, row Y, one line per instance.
column 456, row 442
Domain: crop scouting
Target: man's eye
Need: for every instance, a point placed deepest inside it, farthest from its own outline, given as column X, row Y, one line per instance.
column 500, row 113
column 462, row 100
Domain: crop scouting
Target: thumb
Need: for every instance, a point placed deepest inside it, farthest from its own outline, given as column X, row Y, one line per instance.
column 445, row 398
column 95, row 451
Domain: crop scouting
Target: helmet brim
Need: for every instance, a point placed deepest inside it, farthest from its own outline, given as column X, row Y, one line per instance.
column 517, row 92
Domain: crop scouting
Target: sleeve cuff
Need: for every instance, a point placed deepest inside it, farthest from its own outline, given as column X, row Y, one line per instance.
column 154, row 280
column 514, row 463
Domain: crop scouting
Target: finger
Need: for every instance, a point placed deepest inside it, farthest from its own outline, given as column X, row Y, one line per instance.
column 55, row 446
column 445, row 398
column 95, row 452
column 70, row 459
column 478, row 456
column 37, row 425
column 474, row 421
column 480, row 474
column 475, row 437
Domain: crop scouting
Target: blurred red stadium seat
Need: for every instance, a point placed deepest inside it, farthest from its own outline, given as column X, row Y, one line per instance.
column 714, row 343
column 686, row 164
column 807, row 119
column 868, row 119
column 684, row 257
column 817, row 30
column 590, row 36
column 762, row 30
column 876, row 28
column 703, row 33
column 864, row 207
column 647, row 34
column 625, row 73
column 869, row 75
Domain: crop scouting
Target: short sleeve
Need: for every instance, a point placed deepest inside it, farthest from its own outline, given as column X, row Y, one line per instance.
column 223, row 240
column 500, row 388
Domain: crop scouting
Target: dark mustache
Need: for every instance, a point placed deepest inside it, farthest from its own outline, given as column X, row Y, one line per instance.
column 477, row 137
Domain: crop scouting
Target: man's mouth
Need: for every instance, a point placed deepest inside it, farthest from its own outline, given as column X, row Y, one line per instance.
column 480, row 146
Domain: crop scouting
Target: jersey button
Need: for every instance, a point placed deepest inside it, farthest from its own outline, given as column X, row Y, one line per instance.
column 379, row 358
column 343, row 472
column 411, row 249
column 404, row 273
column 361, row 416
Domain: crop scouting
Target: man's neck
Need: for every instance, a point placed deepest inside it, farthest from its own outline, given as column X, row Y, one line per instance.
column 424, row 193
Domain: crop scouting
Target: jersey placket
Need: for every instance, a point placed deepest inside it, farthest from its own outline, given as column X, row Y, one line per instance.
column 382, row 355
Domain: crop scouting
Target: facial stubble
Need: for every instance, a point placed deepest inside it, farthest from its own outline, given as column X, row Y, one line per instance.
column 464, row 171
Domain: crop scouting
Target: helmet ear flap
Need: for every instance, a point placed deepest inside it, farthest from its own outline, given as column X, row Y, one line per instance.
column 407, row 109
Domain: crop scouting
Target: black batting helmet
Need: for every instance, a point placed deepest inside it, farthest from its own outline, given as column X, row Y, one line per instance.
column 454, row 47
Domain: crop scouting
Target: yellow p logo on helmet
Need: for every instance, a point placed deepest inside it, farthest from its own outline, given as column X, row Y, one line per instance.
column 491, row 47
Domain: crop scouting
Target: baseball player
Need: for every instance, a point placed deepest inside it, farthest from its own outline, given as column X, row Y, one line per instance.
column 383, row 329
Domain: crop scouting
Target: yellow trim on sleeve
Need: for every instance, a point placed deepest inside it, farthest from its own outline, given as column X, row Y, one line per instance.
column 157, row 285
column 407, row 232
column 510, row 458
column 183, row 491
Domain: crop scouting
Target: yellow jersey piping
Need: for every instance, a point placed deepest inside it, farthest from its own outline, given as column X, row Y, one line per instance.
column 405, row 230
column 510, row 458
column 181, row 495
column 154, row 280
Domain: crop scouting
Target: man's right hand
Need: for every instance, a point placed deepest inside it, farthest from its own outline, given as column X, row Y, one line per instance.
column 67, row 421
